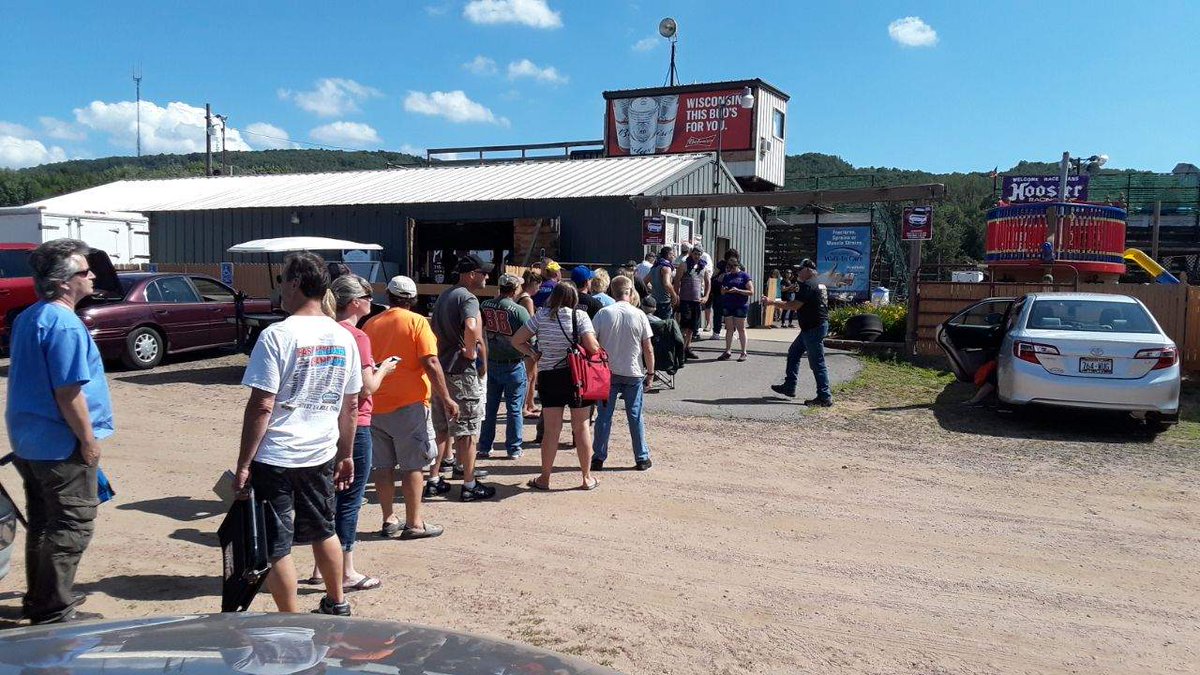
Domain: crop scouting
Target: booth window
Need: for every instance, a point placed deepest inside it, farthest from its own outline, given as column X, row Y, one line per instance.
column 777, row 124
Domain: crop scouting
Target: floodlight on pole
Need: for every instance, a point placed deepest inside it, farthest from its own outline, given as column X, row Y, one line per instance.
column 668, row 28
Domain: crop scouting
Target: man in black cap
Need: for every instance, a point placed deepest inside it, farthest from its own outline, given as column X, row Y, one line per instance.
column 462, row 351
column 812, row 304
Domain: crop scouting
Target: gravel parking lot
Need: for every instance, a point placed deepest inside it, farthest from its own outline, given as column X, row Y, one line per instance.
column 874, row 537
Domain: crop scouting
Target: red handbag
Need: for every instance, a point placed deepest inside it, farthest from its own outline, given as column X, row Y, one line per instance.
column 589, row 373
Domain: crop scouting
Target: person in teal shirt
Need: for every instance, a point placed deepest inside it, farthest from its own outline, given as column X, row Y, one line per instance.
column 58, row 410
column 502, row 318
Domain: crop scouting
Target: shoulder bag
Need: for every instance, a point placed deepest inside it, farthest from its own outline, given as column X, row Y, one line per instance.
column 590, row 374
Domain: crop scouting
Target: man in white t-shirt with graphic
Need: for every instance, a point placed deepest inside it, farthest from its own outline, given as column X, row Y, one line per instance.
column 298, row 430
column 624, row 332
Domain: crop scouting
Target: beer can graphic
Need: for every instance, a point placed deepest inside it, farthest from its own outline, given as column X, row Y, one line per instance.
column 643, row 120
column 668, row 108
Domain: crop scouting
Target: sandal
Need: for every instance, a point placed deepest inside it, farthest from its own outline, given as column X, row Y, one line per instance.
column 311, row 581
column 366, row 583
column 591, row 486
column 742, row 358
column 532, row 482
column 725, row 356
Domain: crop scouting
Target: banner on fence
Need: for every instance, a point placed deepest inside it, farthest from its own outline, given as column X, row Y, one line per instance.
column 844, row 261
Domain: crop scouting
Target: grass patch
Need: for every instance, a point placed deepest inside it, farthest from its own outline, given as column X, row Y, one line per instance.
column 1188, row 429
column 894, row 383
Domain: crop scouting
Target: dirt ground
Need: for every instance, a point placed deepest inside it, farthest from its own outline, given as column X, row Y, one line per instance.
column 857, row 540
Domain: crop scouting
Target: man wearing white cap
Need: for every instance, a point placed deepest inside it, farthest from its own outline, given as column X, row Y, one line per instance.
column 402, row 435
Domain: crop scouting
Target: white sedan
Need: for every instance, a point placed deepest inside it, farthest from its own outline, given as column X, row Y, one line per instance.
column 1073, row 350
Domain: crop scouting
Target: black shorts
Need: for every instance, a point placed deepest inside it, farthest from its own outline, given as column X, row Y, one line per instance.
column 738, row 312
column 303, row 501
column 690, row 314
column 556, row 390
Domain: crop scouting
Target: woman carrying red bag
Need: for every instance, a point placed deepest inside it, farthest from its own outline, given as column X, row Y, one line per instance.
column 556, row 326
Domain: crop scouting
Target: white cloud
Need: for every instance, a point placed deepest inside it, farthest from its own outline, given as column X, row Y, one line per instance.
column 533, row 13
column 646, row 44
column 177, row 128
column 352, row 134
column 18, row 153
column 437, row 10
column 412, row 150
column 64, row 131
column 481, row 65
column 269, row 137
column 332, row 97
column 452, row 105
column 527, row 68
column 14, row 130
column 911, row 31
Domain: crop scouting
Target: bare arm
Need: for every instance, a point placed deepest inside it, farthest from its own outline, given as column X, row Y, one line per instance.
column 473, row 342
column 343, row 473
column 72, row 403
column 433, row 369
column 254, row 427
column 372, row 377
column 648, row 359
column 590, row 344
column 520, row 342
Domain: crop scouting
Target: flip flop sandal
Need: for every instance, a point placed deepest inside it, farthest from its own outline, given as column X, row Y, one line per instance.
column 311, row 581
column 724, row 357
column 741, row 358
column 591, row 486
column 364, row 584
column 532, row 482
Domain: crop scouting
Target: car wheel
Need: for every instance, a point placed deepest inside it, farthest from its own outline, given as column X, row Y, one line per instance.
column 1156, row 427
column 144, row 348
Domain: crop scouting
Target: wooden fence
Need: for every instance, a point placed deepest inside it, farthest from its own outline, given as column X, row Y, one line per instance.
column 1176, row 307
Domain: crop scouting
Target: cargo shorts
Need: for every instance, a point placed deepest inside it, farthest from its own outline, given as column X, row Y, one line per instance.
column 468, row 390
column 403, row 439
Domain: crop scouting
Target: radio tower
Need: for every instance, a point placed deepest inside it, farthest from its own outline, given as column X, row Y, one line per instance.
column 137, row 83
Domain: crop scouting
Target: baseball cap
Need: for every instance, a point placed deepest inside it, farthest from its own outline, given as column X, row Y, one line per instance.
column 471, row 263
column 509, row 281
column 581, row 274
column 649, row 303
column 807, row 263
column 402, row 286
column 552, row 266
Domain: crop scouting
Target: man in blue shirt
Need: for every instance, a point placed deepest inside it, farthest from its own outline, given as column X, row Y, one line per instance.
column 58, row 411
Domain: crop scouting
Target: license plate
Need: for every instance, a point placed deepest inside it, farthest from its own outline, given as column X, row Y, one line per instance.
column 1090, row 366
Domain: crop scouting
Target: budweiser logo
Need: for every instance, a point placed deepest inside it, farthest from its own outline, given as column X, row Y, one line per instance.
column 701, row 141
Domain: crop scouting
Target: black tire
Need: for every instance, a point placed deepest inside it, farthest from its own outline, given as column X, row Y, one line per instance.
column 1156, row 427
column 144, row 348
column 865, row 327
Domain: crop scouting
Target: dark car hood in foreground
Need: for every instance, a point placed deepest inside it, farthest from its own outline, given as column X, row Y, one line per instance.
column 270, row 644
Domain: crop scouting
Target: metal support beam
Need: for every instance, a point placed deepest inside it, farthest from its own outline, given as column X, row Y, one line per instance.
column 793, row 197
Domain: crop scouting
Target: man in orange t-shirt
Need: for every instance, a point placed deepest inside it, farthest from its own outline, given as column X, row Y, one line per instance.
column 402, row 434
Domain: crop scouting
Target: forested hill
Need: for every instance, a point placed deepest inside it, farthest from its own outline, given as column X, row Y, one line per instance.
column 50, row 180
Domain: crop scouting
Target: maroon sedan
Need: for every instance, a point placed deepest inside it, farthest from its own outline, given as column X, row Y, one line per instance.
column 141, row 317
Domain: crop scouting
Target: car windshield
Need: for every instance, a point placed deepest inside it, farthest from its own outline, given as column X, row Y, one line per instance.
column 1090, row 315
column 14, row 264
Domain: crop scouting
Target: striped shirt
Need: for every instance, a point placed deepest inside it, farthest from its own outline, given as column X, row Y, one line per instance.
column 555, row 334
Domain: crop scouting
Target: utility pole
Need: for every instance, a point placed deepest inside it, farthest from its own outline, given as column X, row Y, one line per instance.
column 224, row 155
column 207, row 140
column 137, row 83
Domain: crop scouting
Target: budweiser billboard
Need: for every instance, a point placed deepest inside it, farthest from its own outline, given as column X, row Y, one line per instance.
column 688, row 121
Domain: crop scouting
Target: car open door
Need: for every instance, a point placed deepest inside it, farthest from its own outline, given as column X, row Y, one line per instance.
column 972, row 337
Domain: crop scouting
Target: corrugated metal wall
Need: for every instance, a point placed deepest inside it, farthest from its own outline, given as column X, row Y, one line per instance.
column 743, row 227
column 597, row 230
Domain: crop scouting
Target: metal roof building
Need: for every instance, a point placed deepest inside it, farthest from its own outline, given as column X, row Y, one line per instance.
column 576, row 210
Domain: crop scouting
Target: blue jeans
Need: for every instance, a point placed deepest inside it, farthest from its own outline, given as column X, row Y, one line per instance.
column 812, row 342
column 507, row 380
column 348, row 502
column 630, row 389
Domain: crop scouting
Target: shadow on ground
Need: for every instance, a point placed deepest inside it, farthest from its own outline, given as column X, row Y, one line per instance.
column 214, row 375
column 1031, row 423
column 177, row 508
column 154, row 587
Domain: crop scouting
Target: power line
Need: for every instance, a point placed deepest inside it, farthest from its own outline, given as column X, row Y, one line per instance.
column 290, row 140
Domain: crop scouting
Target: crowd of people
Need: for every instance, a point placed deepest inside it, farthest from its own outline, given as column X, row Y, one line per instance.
column 404, row 399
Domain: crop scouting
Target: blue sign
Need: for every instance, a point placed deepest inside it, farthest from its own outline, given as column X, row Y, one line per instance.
column 227, row 273
column 152, row 268
column 844, row 261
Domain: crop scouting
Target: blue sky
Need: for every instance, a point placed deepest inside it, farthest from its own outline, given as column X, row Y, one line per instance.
column 941, row 86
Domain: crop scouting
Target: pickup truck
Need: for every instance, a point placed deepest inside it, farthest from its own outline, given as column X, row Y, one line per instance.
column 16, row 285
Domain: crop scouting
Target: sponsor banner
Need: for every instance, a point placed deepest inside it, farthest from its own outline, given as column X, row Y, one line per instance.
column 678, row 123
column 844, row 261
column 654, row 230
column 917, row 223
column 1022, row 189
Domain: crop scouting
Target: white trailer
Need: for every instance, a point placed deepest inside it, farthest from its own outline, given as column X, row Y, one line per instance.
column 124, row 236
